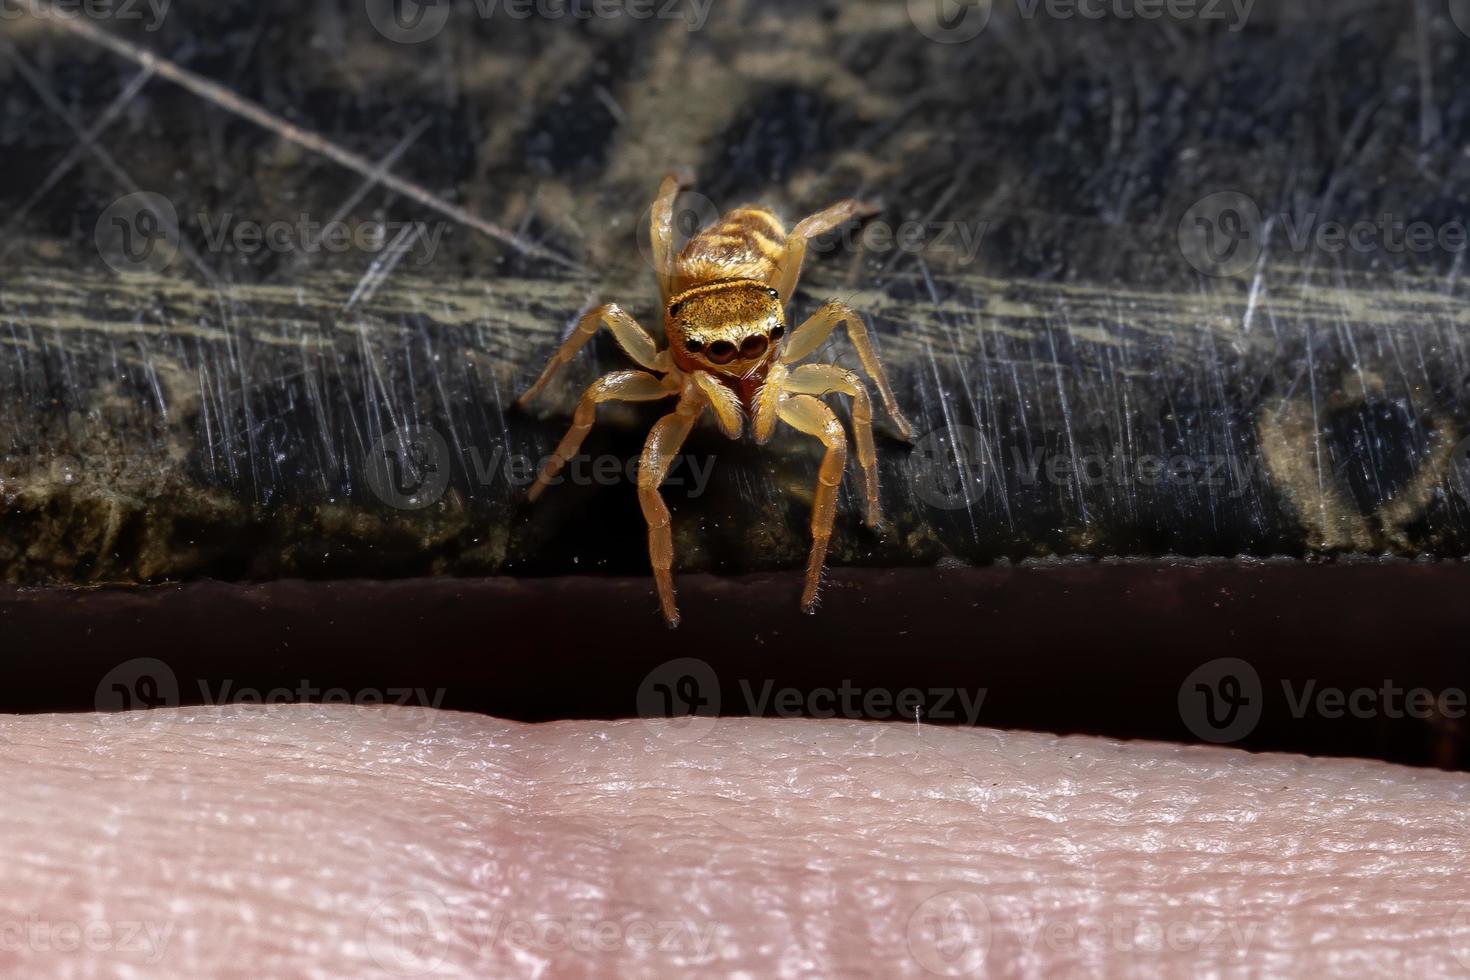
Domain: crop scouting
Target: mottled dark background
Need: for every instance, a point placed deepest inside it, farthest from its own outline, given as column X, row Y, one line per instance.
column 1137, row 455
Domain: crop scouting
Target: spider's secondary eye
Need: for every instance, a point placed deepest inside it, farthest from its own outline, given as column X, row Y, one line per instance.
column 773, row 293
column 722, row 352
column 674, row 310
column 778, row 333
column 694, row 345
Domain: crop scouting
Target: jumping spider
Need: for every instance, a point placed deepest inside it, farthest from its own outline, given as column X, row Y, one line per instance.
column 729, row 352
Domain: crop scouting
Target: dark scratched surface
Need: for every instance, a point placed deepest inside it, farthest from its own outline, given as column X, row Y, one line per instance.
column 1105, row 280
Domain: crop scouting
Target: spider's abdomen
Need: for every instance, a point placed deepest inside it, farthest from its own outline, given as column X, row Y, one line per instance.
column 747, row 243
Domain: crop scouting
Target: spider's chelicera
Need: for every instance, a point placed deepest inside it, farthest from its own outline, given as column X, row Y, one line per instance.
column 729, row 353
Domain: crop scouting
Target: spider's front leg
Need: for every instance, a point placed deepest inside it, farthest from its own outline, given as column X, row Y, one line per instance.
column 623, row 386
column 824, row 379
column 809, row 228
column 663, row 445
column 806, row 414
column 631, row 337
column 819, row 326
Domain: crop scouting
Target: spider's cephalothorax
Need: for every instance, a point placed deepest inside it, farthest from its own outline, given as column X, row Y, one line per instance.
column 730, row 353
column 730, row 329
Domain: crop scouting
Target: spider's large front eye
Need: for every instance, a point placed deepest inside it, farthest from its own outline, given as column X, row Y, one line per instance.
column 721, row 352
column 753, row 346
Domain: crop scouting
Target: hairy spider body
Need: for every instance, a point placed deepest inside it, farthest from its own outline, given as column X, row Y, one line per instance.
column 729, row 353
column 748, row 243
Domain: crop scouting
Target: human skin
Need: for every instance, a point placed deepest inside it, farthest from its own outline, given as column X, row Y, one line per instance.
column 326, row 841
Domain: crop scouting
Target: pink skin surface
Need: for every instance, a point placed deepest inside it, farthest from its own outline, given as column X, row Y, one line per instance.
column 335, row 841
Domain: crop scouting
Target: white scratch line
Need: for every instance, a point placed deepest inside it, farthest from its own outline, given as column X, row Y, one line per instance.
column 381, row 268
column 376, row 178
column 52, row 101
column 75, row 154
column 261, row 116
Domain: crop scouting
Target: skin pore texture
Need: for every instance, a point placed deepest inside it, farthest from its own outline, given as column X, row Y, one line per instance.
column 338, row 841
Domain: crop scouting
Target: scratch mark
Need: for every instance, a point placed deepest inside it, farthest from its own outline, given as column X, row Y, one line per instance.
column 261, row 116
column 73, row 156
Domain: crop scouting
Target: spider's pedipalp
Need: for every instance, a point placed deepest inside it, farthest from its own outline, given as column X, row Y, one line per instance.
column 724, row 403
